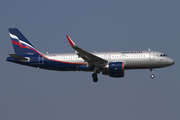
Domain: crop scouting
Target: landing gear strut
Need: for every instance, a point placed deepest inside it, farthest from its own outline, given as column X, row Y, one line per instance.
column 152, row 75
column 94, row 75
column 95, row 78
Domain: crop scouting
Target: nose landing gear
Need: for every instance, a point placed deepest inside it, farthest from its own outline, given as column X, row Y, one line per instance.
column 152, row 75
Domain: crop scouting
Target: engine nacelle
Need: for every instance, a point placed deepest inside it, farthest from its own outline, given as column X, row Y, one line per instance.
column 115, row 69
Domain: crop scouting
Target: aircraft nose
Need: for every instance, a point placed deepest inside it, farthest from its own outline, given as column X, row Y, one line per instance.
column 171, row 61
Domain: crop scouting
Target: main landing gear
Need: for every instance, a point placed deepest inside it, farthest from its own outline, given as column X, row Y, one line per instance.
column 95, row 78
column 94, row 75
column 152, row 75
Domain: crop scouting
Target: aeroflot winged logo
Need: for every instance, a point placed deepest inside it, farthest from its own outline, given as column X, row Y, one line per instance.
column 22, row 44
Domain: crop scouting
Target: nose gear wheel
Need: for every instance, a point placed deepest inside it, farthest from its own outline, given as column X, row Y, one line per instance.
column 152, row 75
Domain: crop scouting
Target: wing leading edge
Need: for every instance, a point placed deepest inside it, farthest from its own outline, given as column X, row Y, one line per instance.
column 90, row 58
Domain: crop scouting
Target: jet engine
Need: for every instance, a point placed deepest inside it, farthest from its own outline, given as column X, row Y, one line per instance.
column 115, row 69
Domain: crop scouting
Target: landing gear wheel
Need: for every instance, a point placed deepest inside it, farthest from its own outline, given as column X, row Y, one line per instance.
column 95, row 79
column 94, row 75
column 152, row 76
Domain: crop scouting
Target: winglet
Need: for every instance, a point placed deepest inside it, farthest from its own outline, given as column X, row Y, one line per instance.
column 70, row 41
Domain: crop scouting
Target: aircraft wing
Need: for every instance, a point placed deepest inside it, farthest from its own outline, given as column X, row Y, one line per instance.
column 86, row 56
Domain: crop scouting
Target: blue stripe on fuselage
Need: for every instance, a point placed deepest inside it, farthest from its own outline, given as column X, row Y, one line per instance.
column 51, row 64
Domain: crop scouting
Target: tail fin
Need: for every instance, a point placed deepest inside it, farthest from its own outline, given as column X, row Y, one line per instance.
column 21, row 45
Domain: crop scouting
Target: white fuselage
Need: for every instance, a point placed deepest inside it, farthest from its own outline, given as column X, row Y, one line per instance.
column 131, row 59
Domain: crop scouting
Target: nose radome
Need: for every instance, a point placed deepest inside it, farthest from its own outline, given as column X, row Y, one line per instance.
column 171, row 61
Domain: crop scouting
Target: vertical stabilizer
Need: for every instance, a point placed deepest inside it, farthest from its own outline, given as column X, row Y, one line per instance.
column 21, row 45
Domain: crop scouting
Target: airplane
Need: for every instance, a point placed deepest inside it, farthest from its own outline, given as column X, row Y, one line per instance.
column 113, row 64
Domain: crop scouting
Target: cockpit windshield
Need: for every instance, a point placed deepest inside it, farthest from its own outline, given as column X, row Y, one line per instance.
column 163, row 55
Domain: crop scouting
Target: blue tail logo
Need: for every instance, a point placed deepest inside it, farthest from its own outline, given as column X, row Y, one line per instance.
column 21, row 45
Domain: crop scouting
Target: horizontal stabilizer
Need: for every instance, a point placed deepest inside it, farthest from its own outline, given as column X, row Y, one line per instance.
column 19, row 58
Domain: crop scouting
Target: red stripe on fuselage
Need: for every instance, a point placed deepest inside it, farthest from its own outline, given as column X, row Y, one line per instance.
column 65, row 61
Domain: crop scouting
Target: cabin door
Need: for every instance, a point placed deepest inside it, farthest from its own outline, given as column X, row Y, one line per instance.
column 151, row 56
column 40, row 59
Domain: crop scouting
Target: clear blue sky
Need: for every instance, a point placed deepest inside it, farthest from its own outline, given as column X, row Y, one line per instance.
column 98, row 25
